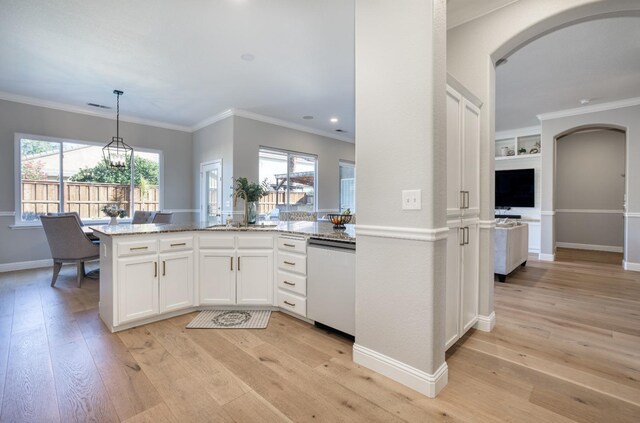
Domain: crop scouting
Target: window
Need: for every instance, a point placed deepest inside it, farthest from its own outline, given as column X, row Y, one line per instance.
column 292, row 178
column 65, row 176
column 347, row 186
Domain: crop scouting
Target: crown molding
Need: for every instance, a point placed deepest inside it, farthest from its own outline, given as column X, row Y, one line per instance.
column 83, row 111
column 519, row 132
column 628, row 102
column 290, row 125
column 211, row 120
column 204, row 123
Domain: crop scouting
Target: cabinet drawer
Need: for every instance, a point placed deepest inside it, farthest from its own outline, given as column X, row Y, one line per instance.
column 217, row 241
column 134, row 248
column 292, row 282
column 292, row 302
column 255, row 241
column 292, row 263
column 292, row 244
column 176, row 244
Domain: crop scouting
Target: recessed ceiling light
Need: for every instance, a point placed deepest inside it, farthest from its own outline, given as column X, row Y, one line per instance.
column 247, row 57
column 585, row 101
column 307, row 117
column 333, row 120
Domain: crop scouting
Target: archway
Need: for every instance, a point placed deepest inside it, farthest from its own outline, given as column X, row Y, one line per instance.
column 590, row 187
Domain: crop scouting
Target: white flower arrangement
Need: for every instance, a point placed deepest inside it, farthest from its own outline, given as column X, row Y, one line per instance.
column 114, row 210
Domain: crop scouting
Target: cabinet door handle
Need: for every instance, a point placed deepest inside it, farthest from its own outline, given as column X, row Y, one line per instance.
column 238, row 264
column 289, row 283
column 462, row 199
column 466, row 235
column 289, row 263
column 164, row 268
column 467, row 195
column 289, row 304
column 155, row 269
column 180, row 244
column 289, row 245
column 138, row 248
column 461, row 235
column 231, row 263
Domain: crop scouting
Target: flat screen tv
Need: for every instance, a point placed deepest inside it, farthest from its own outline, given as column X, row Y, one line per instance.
column 515, row 188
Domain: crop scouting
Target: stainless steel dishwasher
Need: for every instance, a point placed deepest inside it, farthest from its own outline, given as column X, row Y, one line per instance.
column 331, row 284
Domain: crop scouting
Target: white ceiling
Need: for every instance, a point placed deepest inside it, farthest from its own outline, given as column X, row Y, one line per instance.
column 179, row 62
column 597, row 60
column 463, row 11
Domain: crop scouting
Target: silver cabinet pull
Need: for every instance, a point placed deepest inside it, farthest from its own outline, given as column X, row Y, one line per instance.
column 180, row 244
column 461, row 235
column 231, row 263
column 238, row 264
column 289, row 245
column 164, row 268
column 289, row 304
column 467, row 196
column 289, row 263
column 155, row 269
column 138, row 248
column 289, row 283
column 462, row 199
column 467, row 235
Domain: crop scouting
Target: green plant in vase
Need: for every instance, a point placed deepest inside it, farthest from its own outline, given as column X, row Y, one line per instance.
column 251, row 193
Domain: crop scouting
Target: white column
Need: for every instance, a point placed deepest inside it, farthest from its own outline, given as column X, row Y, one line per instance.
column 400, row 145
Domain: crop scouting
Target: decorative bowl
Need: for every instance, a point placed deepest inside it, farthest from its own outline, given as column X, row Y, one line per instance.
column 339, row 220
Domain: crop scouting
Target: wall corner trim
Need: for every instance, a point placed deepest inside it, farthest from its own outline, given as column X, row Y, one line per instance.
column 24, row 265
column 212, row 119
column 546, row 257
column 414, row 234
column 630, row 214
column 487, row 224
column 635, row 267
column 548, row 213
column 429, row 384
column 486, row 323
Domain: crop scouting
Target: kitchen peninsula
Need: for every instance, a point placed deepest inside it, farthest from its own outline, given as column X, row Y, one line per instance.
column 153, row 272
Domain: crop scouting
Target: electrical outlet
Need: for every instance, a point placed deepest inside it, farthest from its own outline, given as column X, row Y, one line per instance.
column 411, row 199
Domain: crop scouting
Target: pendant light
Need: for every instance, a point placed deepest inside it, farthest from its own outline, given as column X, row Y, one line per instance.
column 117, row 152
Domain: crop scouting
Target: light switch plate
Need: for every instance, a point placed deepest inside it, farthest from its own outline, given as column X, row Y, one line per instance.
column 411, row 199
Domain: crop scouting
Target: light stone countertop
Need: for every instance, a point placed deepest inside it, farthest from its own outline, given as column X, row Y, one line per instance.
column 324, row 230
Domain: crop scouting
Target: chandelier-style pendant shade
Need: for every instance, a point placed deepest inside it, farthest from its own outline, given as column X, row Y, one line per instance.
column 117, row 153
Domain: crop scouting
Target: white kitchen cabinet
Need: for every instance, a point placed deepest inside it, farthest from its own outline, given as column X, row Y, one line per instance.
column 236, row 269
column 462, row 280
column 150, row 283
column 176, row 280
column 463, row 210
column 137, row 287
column 253, row 284
column 463, row 156
column 217, row 277
column 292, row 274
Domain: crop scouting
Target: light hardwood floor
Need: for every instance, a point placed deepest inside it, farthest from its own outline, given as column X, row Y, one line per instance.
column 566, row 347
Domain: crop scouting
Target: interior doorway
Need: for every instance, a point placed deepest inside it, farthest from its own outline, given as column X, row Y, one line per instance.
column 590, row 189
column 211, row 192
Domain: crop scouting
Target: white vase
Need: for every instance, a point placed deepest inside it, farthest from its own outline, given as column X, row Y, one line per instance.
column 114, row 221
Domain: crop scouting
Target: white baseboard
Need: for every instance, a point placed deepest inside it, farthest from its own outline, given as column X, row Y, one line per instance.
column 486, row 323
column 534, row 250
column 546, row 257
column 610, row 248
column 23, row 265
column 426, row 383
column 631, row 266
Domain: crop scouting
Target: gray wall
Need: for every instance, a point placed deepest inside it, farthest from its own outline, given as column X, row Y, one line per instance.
column 590, row 168
column 19, row 245
column 214, row 142
column 249, row 135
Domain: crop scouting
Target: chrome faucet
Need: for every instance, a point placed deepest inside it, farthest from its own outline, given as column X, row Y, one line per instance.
column 242, row 194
